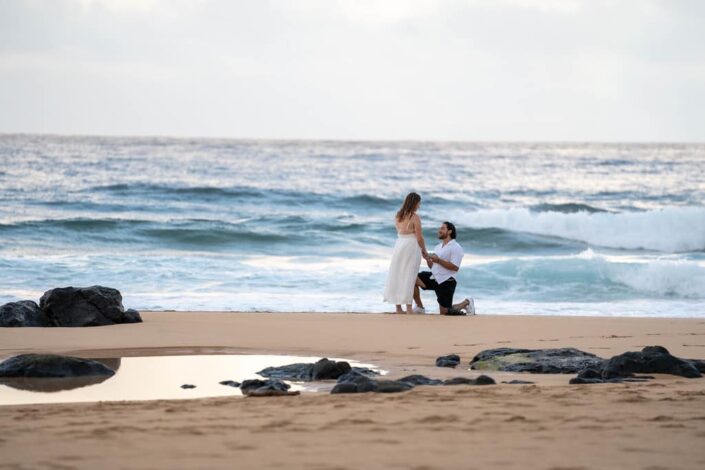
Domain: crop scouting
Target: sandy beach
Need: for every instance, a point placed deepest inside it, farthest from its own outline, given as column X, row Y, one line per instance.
column 551, row 425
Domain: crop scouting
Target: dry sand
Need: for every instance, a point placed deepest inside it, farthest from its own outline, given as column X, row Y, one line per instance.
column 551, row 425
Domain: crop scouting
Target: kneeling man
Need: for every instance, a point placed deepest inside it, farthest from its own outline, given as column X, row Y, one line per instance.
column 444, row 264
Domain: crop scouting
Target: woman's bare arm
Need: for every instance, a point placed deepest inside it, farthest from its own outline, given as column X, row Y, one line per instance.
column 419, row 235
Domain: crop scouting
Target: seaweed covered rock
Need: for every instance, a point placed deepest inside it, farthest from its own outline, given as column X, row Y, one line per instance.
column 21, row 314
column 86, row 306
column 537, row 361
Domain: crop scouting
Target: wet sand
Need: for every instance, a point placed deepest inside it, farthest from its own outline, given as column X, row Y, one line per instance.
column 552, row 425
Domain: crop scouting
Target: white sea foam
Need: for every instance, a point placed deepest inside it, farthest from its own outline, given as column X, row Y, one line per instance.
column 681, row 279
column 672, row 229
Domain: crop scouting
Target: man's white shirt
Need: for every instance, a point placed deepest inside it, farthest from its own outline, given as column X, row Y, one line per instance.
column 453, row 253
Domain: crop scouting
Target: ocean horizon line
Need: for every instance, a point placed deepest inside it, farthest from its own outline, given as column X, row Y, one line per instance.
column 349, row 140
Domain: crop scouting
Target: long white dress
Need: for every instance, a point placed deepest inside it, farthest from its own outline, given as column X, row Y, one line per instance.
column 403, row 269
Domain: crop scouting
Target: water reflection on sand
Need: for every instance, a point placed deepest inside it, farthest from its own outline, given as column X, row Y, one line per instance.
column 154, row 378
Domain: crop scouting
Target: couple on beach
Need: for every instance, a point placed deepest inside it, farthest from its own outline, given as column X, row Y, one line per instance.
column 404, row 280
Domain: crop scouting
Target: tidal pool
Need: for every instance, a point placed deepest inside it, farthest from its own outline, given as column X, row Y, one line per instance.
column 157, row 378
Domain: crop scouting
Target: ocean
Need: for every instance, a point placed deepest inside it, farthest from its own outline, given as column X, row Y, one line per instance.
column 257, row 225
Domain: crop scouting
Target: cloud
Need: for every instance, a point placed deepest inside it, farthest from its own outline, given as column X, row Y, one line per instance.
column 450, row 69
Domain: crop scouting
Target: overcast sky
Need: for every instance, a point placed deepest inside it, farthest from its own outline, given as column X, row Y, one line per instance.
column 567, row 70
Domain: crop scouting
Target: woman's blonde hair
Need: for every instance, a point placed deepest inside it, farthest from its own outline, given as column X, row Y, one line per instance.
column 411, row 202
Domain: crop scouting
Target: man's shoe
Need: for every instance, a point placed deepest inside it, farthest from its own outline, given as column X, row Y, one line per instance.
column 471, row 306
column 455, row 312
column 420, row 310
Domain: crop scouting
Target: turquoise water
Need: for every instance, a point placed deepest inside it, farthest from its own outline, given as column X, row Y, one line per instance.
column 599, row 229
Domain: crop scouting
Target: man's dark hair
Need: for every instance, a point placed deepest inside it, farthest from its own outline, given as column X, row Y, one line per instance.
column 451, row 227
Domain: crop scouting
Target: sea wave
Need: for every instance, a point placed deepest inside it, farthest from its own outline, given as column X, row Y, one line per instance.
column 586, row 277
column 672, row 229
column 567, row 208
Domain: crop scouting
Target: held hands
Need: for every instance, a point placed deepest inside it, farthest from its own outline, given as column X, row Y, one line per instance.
column 430, row 259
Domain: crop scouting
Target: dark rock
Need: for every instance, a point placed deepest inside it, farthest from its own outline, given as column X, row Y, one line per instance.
column 22, row 313
column 58, row 384
column 582, row 381
column 352, row 376
column 356, row 382
column 363, row 384
column 481, row 380
column 698, row 364
column 186, row 386
column 265, row 388
column 86, row 306
column 537, row 361
column 451, row 360
column 132, row 316
column 488, row 354
column 230, row 383
column 300, row 372
column 590, row 373
column 50, row 365
column 345, row 387
column 325, row 369
column 417, row 379
column 271, row 392
column 459, row 381
column 485, row 380
column 651, row 359
column 518, row 382
column 391, row 386
column 365, row 371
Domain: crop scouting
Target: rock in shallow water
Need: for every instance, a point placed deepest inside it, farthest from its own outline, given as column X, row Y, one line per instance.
column 324, row 369
column 537, row 361
column 451, row 360
column 22, row 314
column 265, row 388
column 52, row 366
column 230, row 383
column 86, row 306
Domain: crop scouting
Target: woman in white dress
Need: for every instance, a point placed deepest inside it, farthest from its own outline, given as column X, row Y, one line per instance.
column 408, row 250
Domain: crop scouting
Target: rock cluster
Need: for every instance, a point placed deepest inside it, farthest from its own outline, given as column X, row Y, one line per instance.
column 650, row 360
column 590, row 368
column 324, row 369
column 357, row 383
column 70, row 307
